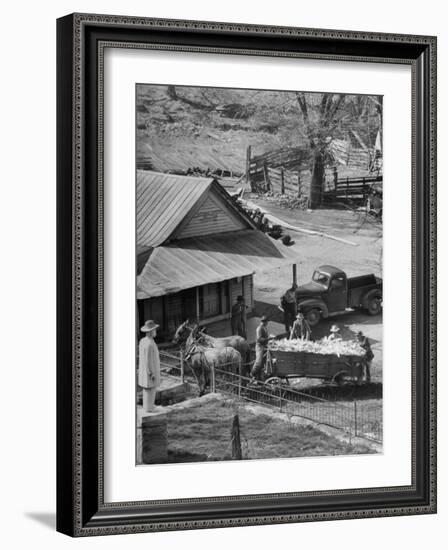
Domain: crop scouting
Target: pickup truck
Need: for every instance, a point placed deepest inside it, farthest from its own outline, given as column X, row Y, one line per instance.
column 330, row 293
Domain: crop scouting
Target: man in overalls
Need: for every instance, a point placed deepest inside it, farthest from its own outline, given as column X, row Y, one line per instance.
column 365, row 344
column 261, row 344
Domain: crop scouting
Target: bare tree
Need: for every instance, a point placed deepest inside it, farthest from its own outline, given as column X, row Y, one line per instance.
column 320, row 120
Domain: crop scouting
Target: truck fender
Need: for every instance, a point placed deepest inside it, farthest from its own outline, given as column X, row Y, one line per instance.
column 371, row 294
column 314, row 303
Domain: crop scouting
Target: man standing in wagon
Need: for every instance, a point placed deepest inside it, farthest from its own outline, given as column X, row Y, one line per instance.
column 301, row 328
column 148, row 365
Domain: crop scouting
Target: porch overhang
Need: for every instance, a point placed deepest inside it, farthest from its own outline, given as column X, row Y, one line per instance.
column 198, row 261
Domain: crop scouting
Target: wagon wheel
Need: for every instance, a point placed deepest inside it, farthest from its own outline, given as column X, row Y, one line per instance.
column 273, row 382
column 340, row 377
column 276, row 386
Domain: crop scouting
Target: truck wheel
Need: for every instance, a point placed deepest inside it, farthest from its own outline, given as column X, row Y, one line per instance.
column 374, row 306
column 313, row 317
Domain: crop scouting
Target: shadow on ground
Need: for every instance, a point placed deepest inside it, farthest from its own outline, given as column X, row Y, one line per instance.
column 47, row 519
column 271, row 311
column 346, row 392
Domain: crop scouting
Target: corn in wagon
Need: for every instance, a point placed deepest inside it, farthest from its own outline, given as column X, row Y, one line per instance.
column 334, row 361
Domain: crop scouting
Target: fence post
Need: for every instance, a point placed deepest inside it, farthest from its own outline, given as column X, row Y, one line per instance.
column 237, row 453
column 335, row 177
column 267, row 181
column 182, row 366
column 213, row 379
column 356, row 417
column 239, row 378
column 282, row 179
column 280, row 396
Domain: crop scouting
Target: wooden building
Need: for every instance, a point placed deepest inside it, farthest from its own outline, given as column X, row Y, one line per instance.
column 197, row 250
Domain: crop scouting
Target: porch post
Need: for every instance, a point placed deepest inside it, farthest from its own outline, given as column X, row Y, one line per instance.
column 182, row 366
column 197, row 304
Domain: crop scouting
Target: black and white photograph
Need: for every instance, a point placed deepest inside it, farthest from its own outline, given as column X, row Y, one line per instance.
column 259, row 266
column 233, row 333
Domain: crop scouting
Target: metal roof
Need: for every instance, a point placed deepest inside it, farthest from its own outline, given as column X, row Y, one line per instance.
column 163, row 201
column 201, row 260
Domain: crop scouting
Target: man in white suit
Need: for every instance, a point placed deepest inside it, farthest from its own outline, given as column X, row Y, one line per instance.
column 148, row 365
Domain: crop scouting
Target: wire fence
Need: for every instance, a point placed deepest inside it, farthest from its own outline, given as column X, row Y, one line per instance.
column 354, row 409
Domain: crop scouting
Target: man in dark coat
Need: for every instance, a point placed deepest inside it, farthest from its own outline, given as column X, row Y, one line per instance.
column 289, row 305
column 238, row 320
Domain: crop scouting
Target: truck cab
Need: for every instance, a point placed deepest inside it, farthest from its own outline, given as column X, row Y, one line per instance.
column 330, row 292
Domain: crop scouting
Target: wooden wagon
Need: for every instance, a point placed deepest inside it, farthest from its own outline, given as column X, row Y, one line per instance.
column 282, row 365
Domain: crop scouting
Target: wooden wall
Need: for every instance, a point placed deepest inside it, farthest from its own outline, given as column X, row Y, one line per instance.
column 171, row 310
column 243, row 286
column 211, row 218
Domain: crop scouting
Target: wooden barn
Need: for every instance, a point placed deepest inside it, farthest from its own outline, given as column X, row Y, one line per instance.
column 197, row 250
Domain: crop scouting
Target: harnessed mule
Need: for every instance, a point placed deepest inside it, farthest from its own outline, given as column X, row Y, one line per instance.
column 203, row 361
column 187, row 333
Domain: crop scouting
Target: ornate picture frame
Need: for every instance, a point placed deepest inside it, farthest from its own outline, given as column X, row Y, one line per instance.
column 81, row 42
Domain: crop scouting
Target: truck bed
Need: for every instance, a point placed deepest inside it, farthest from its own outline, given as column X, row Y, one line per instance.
column 358, row 286
column 362, row 280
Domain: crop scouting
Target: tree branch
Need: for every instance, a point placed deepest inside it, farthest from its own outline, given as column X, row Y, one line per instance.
column 172, row 94
column 336, row 106
column 303, row 106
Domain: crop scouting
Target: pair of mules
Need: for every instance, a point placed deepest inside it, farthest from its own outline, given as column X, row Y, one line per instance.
column 204, row 355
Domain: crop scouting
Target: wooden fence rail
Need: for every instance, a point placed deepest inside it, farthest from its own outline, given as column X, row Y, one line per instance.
column 353, row 188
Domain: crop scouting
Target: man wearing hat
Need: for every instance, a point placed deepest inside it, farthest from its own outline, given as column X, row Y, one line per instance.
column 288, row 304
column 148, row 365
column 365, row 344
column 334, row 333
column 300, row 328
column 261, row 344
column 238, row 320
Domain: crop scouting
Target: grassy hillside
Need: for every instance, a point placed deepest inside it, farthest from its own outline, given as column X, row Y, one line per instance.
column 203, row 432
column 212, row 127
